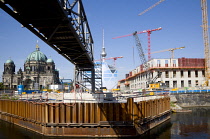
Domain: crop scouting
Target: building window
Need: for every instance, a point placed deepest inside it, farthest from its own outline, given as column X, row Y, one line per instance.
column 174, row 84
column 182, row 73
column 174, row 74
column 189, row 73
column 196, row 73
column 182, row 83
column 196, row 82
column 174, row 63
column 203, row 73
column 189, row 83
column 167, row 83
column 159, row 75
column 32, row 68
column 166, row 63
column 167, row 75
column 158, row 63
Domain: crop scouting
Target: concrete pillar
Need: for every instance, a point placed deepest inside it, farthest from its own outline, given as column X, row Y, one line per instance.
column 185, row 78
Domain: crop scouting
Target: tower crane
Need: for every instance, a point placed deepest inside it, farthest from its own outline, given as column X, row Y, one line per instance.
column 149, row 31
column 149, row 81
column 114, row 58
column 171, row 49
column 151, row 7
column 205, row 39
column 141, row 53
column 205, row 35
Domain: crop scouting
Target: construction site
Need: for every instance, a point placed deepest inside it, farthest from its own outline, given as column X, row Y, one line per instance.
column 91, row 109
column 167, row 74
column 170, row 74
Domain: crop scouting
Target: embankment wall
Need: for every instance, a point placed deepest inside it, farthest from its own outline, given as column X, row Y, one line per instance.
column 191, row 99
column 87, row 119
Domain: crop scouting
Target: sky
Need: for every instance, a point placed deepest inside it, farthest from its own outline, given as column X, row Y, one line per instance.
column 180, row 20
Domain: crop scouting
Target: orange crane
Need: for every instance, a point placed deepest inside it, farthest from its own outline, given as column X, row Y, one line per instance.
column 149, row 31
column 114, row 58
column 171, row 49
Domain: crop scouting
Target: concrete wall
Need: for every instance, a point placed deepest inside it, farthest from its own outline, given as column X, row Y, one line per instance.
column 190, row 100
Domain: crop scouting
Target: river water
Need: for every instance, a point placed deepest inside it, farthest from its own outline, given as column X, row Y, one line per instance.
column 191, row 125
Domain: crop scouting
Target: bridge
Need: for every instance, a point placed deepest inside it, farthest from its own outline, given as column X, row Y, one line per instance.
column 62, row 25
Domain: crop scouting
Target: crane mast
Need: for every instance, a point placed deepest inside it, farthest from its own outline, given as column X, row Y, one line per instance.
column 149, row 31
column 140, row 50
column 205, row 38
column 142, row 57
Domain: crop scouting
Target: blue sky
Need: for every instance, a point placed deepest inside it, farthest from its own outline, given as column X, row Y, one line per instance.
column 180, row 20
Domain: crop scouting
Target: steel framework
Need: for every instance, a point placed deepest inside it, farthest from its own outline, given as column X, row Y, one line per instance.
column 62, row 24
column 149, row 31
column 206, row 39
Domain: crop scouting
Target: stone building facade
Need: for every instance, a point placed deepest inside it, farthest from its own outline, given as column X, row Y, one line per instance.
column 176, row 73
column 38, row 72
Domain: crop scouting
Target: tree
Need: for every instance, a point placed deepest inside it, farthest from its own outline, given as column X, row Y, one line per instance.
column 1, row 86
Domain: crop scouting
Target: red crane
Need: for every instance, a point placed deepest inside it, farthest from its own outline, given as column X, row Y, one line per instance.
column 114, row 58
column 149, row 31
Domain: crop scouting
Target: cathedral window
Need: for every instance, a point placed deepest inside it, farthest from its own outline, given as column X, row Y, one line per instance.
column 7, row 69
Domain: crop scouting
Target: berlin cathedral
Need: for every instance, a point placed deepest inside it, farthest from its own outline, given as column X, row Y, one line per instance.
column 39, row 72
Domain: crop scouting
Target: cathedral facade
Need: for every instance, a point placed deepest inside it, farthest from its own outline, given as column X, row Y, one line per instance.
column 39, row 72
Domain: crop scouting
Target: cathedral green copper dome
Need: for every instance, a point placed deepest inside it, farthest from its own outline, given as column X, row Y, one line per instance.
column 9, row 61
column 36, row 56
column 50, row 60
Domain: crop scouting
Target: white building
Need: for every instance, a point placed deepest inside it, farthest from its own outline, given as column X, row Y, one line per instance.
column 176, row 73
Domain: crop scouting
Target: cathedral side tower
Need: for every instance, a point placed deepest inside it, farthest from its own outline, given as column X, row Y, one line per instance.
column 8, row 77
column 39, row 72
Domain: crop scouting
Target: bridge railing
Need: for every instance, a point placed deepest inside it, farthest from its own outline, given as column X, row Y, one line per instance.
column 191, row 91
column 76, row 15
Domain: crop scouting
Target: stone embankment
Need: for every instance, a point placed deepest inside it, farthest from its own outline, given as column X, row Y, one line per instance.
column 191, row 99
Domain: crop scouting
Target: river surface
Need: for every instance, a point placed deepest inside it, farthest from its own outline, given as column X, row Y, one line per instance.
column 191, row 125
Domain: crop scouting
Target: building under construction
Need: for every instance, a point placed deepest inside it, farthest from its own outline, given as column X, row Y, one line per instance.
column 178, row 73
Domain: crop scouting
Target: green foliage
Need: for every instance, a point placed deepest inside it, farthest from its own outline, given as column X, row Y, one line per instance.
column 1, row 86
column 5, row 97
column 14, row 98
column 172, row 104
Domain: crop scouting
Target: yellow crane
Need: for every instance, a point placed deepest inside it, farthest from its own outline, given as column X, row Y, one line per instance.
column 151, row 7
column 205, row 35
column 171, row 49
column 205, row 39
